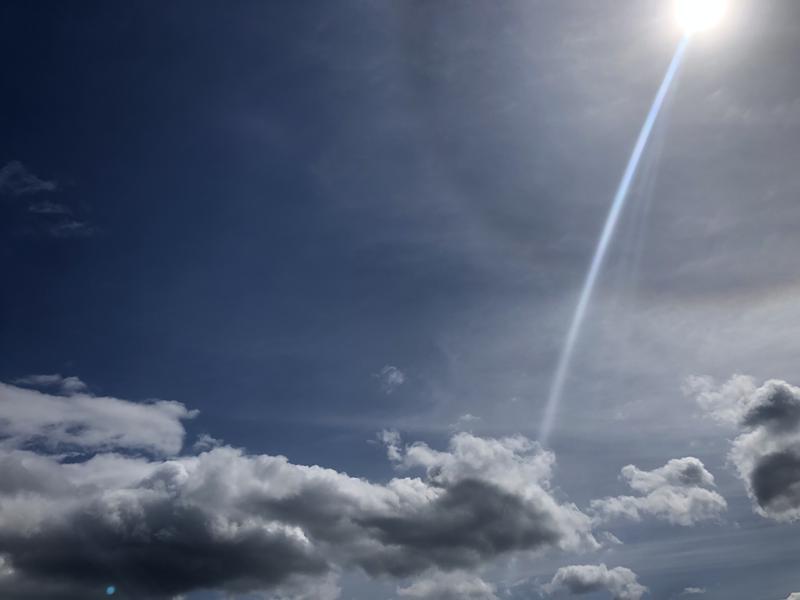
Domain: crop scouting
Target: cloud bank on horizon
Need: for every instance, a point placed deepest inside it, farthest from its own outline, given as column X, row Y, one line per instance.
column 98, row 488
column 94, row 489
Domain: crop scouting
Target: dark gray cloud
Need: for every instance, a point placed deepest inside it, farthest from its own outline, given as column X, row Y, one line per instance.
column 231, row 521
column 577, row 580
column 679, row 492
column 766, row 451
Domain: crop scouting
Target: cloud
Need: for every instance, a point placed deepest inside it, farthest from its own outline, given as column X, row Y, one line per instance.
column 391, row 378
column 17, row 180
column 693, row 591
column 71, row 228
column 65, row 385
column 766, row 452
column 83, row 422
column 577, row 580
column 227, row 520
column 464, row 422
column 794, row 596
column 205, row 442
column 449, row 586
column 46, row 207
column 680, row 492
column 46, row 217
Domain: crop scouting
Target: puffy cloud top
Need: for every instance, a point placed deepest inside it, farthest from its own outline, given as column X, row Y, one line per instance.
column 766, row 451
column 679, row 492
column 224, row 519
column 449, row 586
column 577, row 580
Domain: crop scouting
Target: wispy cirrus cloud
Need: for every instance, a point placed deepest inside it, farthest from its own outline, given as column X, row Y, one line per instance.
column 17, row 180
column 46, row 216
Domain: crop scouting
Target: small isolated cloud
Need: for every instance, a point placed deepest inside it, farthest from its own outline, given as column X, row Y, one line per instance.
column 64, row 385
column 457, row 585
column 693, row 591
column 465, row 422
column 17, row 180
column 578, row 580
column 766, row 451
column 391, row 378
column 681, row 492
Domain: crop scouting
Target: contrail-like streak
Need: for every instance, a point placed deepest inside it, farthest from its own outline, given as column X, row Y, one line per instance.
column 560, row 376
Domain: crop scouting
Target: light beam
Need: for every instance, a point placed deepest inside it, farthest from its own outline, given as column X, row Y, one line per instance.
column 562, row 369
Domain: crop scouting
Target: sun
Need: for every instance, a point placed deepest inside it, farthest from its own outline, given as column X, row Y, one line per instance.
column 699, row 15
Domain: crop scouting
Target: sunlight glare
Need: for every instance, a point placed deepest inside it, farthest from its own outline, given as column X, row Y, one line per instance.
column 699, row 15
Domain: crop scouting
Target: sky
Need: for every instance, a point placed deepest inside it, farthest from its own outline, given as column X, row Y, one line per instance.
column 286, row 284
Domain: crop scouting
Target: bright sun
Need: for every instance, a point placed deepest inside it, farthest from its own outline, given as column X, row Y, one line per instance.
column 699, row 15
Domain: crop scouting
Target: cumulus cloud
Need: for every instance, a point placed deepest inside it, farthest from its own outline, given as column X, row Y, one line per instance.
column 17, row 180
column 766, row 452
column 693, row 591
column 794, row 596
column 449, row 586
column 83, row 422
column 681, row 492
column 223, row 519
column 391, row 378
column 577, row 580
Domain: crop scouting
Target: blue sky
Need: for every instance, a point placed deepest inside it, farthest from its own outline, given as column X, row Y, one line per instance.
column 294, row 226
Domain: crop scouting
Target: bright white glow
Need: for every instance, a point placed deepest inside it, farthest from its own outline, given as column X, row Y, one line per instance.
column 699, row 15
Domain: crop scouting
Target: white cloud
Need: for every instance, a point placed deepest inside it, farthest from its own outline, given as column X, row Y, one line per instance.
column 230, row 521
column 693, row 591
column 577, row 580
column 65, row 385
column 449, row 586
column 464, row 422
column 87, row 422
column 766, row 452
column 679, row 492
column 726, row 403
column 391, row 378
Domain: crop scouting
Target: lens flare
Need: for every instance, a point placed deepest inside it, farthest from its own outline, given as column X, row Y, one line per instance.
column 699, row 15
column 562, row 369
